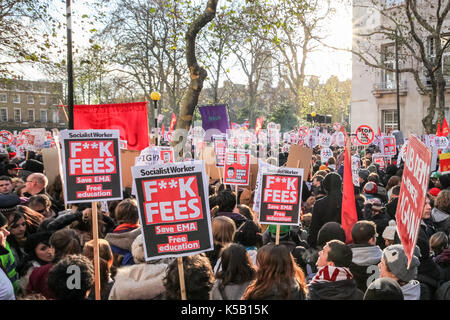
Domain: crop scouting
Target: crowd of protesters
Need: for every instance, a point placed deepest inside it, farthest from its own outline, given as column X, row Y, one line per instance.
column 40, row 239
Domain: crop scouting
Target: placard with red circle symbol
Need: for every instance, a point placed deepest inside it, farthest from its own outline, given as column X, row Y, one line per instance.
column 365, row 134
column 303, row 131
column 6, row 137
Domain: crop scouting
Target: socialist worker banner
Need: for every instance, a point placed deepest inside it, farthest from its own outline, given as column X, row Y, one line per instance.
column 412, row 195
column 173, row 209
column 91, row 165
column 281, row 194
column 237, row 167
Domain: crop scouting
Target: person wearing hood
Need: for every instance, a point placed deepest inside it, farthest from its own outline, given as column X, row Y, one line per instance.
column 141, row 281
column 439, row 245
column 426, row 223
column 444, row 181
column 334, row 280
column 384, row 289
column 366, row 254
column 394, row 264
column 327, row 208
column 440, row 215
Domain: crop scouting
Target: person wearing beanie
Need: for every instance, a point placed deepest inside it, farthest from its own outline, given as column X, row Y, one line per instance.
column 330, row 231
column 435, row 191
column 370, row 190
column 333, row 280
column 384, row 289
column 394, row 264
column 327, row 208
column 389, row 233
column 434, row 180
column 363, row 176
column 141, row 281
column 366, row 253
column 372, row 168
column 444, row 181
column 8, row 204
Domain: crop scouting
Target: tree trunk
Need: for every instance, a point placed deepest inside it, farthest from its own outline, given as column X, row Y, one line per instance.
column 197, row 73
column 428, row 120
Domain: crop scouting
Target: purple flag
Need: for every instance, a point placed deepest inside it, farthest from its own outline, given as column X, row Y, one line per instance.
column 214, row 117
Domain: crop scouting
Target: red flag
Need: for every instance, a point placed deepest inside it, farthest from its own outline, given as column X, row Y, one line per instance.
column 259, row 124
column 172, row 122
column 379, row 131
column 348, row 214
column 129, row 118
column 439, row 130
column 444, row 128
column 162, row 131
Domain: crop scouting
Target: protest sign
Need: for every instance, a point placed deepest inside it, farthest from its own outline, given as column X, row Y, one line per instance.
column 388, row 146
column 209, row 157
column 299, row 157
column 412, row 195
column 324, row 140
column 337, row 126
column 6, row 137
column 237, row 167
column 303, row 131
column 444, row 163
column 257, row 198
column 51, row 161
column 398, row 137
column 91, row 164
column 365, row 134
column 325, row 154
column 441, row 142
column 127, row 160
column 378, row 158
column 220, row 146
column 173, row 209
column 214, row 117
column 166, row 154
column 356, row 166
column 281, row 193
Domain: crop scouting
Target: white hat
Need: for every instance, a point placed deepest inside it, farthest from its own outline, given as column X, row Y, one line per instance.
column 389, row 231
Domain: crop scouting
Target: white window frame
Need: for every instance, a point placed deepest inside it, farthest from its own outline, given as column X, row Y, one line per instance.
column 40, row 100
column 6, row 114
column 14, row 98
column 34, row 115
column 28, row 99
column 46, row 115
column 20, row 115
column 4, row 95
column 55, row 116
column 391, row 125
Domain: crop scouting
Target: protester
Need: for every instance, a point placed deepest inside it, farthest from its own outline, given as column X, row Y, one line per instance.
column 7, row 261
column 105, row 261
column 121, row 239
column 6, row 186
column 59, row 278
column 235, row 275
column 227, row 202
column 366, row 254
column 64, row 242
column 141, row 281
column 394, row 264
column 384, row 289
column 440, row 214
column 333, row 280
column 42, row 204
column 198, row 278
column 389, row 234
column 36, row 183
column 223, row 230
column 277, row 277
column 249, row 236
column 13, row 170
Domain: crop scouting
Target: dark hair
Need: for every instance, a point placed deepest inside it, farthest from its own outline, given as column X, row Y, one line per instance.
column 65, row 242
column 237, row 268
column 32, row 217
column 41, row 199
column 248, row 234
column 396, row 190
column 3, row 220
column 226, row 201
column 276, row 270
column 198, row 277
column 112, row 205
column 245, row 211
column 127, row 211
column 363, row 231
column 339, row 253
column 373, row 177
column 60, row 274
column 6, row 178
column 392, row 182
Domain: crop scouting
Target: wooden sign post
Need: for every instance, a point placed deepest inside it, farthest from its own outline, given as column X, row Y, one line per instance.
column 181, row 276
column 96, row 251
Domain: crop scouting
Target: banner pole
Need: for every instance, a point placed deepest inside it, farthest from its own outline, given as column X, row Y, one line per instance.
column 237, row 197
column 277, row 239
column 96, row 251
column 181, row 276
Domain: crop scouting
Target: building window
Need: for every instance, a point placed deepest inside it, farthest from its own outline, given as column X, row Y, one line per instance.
column 55, row 116
column 3, row 97
column 43, row 114
column 394, row 3
column 17, row 115
column 30, row 99
column 43, row 100
column 30, row 115
column 388, row 55
column 3, row 114
column 16, row 98
column 389, row 120
column 54, row 101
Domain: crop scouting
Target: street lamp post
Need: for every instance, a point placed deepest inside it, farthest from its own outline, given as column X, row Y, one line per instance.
column 397, row 80
column 155, row 96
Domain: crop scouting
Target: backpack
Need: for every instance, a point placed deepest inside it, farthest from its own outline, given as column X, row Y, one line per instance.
column 443, row 292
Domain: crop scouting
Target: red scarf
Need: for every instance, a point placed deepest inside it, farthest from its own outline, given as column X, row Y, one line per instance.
column 330, row 274
column 126, row 226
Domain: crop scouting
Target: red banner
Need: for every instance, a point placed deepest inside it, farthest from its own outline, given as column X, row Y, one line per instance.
column 172, row 122
column 413, row 191
column 129, row 118
column 348, row 214
column 258, row 125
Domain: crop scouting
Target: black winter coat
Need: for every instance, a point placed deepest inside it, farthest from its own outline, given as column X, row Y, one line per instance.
column 338, row 290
